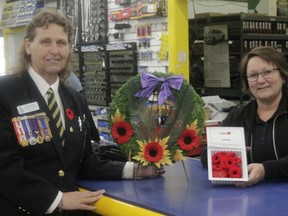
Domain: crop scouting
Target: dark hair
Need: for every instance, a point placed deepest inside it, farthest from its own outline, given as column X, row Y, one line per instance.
column 42, row 19
column 269, row 55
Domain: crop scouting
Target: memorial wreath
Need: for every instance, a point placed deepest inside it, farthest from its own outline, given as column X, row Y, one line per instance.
column 156, row 118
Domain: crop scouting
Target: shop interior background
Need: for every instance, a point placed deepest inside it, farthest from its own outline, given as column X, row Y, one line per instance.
column 194, row 7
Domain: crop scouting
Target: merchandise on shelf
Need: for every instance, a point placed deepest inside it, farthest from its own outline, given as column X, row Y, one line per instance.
column 19, row 13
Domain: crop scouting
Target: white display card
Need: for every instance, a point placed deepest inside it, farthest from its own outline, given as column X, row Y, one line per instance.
column 226, row 155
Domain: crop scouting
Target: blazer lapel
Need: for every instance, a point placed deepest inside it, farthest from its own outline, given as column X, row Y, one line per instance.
column 69, row 108
column 74, row 136
column 70, row 115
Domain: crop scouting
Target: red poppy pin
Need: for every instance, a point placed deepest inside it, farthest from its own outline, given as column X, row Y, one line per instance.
column 69, row 114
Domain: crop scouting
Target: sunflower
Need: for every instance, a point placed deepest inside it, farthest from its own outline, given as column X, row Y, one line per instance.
column 178, row 155
column 154, row 153
column 121, row 132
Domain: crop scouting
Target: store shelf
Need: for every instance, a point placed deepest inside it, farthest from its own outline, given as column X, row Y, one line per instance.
column 251, row 36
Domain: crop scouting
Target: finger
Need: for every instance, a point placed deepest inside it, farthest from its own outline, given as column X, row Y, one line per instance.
column 243, row 184
column 94, row 193
column 93, row 199
column 87, row 207
column 89, row 203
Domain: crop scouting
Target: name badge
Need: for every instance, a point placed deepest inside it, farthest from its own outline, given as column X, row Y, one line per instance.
column 26, row 108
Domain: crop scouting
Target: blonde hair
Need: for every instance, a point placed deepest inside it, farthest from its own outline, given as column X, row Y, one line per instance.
column 42, row 19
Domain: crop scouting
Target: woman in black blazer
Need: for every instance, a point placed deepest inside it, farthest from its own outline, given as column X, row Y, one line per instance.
column 38, row 166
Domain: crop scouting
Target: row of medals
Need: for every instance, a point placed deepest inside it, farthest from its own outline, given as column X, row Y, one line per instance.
column 32, row 129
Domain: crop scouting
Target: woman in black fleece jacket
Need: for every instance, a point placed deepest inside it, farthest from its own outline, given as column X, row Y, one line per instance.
column 264, row 118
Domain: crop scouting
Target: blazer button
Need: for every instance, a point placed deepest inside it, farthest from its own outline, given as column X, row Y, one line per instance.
column 61, row 173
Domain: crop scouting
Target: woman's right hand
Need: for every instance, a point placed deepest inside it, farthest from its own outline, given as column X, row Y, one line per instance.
column 256, row 174
column 147, row 171
column 80, row 200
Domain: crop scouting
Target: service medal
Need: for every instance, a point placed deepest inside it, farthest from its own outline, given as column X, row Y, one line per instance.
column 32, row 140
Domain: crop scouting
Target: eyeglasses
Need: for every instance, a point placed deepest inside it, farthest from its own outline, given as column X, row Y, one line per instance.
column 266, row 74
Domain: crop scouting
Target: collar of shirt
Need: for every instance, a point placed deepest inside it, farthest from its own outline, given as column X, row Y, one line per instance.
column 43, row 87
column 41, row 83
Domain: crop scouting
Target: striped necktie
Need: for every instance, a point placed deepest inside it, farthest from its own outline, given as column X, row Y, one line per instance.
column 55, row 111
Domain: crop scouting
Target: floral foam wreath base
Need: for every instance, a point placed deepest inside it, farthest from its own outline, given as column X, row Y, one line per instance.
column 156, row 119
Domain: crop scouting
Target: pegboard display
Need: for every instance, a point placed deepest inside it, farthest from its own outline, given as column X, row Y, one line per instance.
column 95, row 78
column 106, row 69
column 75, row 64
column 138, row 9
column 93, row 21
column 70, row 8
column 19, row 13
column 122, row 64
column 146, row 29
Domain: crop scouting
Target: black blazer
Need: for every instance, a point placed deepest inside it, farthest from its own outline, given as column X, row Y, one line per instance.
column 31, row 176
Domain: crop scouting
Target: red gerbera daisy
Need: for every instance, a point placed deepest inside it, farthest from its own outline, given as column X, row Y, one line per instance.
column 188, row 140
column 227, row 162
column 122, row 131
column 153, row 152
column 216, row 158
column 235, row 172
column 219, row 172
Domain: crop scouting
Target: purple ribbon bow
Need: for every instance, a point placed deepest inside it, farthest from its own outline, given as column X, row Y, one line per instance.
column 149, row 82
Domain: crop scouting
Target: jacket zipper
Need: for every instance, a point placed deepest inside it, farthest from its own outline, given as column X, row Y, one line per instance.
column 273, row 137
column 251, row 144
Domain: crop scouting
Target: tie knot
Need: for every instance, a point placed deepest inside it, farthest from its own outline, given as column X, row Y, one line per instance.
column 50, row 91
column 50, row 96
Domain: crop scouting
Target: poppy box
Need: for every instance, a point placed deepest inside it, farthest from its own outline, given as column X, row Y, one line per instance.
column 226, row 154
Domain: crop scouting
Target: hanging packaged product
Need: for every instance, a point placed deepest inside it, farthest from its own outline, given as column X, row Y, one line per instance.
column 122, row 2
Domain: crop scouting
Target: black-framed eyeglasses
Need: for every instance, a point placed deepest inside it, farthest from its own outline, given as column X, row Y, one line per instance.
column 266, row 74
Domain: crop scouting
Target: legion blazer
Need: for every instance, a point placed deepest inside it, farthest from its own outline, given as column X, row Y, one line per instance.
column 31, row 174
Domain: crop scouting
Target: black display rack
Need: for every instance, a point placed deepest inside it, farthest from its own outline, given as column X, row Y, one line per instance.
column 122, row 64
column 103, row 67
